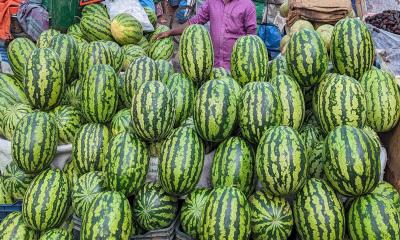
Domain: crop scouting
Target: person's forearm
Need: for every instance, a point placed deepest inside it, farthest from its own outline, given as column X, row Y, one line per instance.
column 179, row 30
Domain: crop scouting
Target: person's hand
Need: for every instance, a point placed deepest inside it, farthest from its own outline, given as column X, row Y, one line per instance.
column 162, row 35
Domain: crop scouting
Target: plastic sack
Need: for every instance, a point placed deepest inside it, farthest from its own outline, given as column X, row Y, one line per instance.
column 148, row 4
column 271, row 36
column 33, row 18
column 132, row 7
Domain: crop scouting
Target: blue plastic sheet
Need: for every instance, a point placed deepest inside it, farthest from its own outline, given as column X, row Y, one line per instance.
column 271, row 36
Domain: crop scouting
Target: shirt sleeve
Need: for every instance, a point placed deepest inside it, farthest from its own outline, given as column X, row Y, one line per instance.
column 250, row 21
column 203, row 14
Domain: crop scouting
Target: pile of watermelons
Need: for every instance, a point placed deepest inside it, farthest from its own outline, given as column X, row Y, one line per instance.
column 296, row 149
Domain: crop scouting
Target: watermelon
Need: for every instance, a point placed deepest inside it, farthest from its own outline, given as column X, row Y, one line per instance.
column 127, row 163
column 15, row 181
column 72, row 94
column 372, row 134
column 151, row 37
column 184, row 93
column 124, row 101
column 96, row 27
column 67, row 49
column 144, row 44
column 95, row 9
column 118, row 54
column 151, row 15
column 271, row 217
column 75, row 30
column 108, row 217
column 90, row 147
column 35, row 141
column 12, row 88
column 249, row 60
column 292, row 100
column 68, row 120
column 306, row 57
column 44, row 79
column 11, row 116
column 56, row 234
column 383, row 99
column 256, row 98
column 14, row 227
column 277, row 67
column 373, row 216
column 153, row 208
column 46, row 200
column 341, row 101
column 219, row 72
column 18, row 52
column 121, row 122
column 192, row 210
column 46, row 37
column 126, row 29
column 92, row 54
column 153, row 111
column 72, row 174
column 352, row 48
column 215, row 111
column 311, row 135
column 131, row 53
column 316, row 161
column 162, row 49
column 196, row 53
column 233, row 165
column 5, row 196
column 165, row 69
column 318, row 212
column 347, row 150
column 387, row 190
column 181, row 161
column 281, row 161
column 86, row 189
column 99, row 94
column 227, row 215
column 139, row 71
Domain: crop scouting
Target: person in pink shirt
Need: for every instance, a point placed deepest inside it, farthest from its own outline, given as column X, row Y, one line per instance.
column 229, row 20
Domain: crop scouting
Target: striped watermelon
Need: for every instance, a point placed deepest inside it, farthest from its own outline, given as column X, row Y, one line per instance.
column 153, row 208
column 56, row 234
column 387, row 190
column 121, row 122
column 256, row 98
column 165, row 69
column 318, row 212
column 5, row 196
column 139, row 71
column 383, row 99
column 373, row 216
column 162, row 49
column 18, row 52
column 127, row 163
column 372, row 134
column 215, row 111
column 96, row 27
column 233, row 165
column 35, row 141
column 108, row 217
column 233, row 84
column 75, row 30
column 347, row 150
column 44, row 79
column 277, row 67
column 249, row 60
column 95, row 9
column 12, row 88
column 99, row 94
column 196, row 53
column 68, row 120
column 271, row 217
column 16, row 181
column 92, row 54
column 151, row 37
column 46, row 200
column 144, row 44
column 67, row 49
column 11, row 116
column 184, row 93
column 181, row 161
column 311, row 135
column 316, row 161
column 117, row 53
column 90, row 147
column 341, row 101
column 124, row 101
column 46, row 37
column 86, row 189
column 153, row 111
column 352, row 48
column 219, row 72
column 227, row 215
column 131, row 53
column 72, row 94
column 151, row 15
column 306, row 57
column 191, row 212
column 126, row 29
column 292, row 100
column 281, row 161
column 14, row 227
column 72, row 174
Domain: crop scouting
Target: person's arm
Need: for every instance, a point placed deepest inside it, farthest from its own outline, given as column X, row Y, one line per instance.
column 250, row 21
column 202, row 17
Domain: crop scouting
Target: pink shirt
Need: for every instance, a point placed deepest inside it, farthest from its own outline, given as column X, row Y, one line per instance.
column 228, row 22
